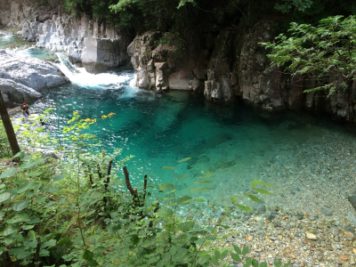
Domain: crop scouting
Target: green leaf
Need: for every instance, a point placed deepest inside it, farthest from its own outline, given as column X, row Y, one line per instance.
column 50, row 243
column 4, row 196
column 89, row 257
column 8, row 231
column 10, row 172
column 27, row 227
column 245, row 250
column 236, row 257
column 19, row 218
column 237, row 249
column 20, row 206
column 45, row 253
column 32, row 164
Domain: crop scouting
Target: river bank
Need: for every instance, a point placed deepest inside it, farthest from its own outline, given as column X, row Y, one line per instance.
column 215, row 152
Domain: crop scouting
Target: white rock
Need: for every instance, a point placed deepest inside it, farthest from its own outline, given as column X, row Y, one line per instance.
column 310, row 236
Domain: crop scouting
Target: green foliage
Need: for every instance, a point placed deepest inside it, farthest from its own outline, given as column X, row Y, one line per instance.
column 81, row 217
column 325, row 53
column 93, row 8
column 4, row 147
column 183, row 3
column 143, row 15
column 286, row 6
column 80, row 213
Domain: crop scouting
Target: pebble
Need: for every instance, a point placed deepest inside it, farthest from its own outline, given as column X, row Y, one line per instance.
column 311, row 236
column 318, row 242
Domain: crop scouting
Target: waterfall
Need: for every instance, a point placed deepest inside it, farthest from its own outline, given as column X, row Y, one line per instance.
column 82, row 78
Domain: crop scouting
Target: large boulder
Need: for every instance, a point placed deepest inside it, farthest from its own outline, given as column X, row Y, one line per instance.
column 31, row 72
column 141, row 50
column 162, row 64
column 15, row 93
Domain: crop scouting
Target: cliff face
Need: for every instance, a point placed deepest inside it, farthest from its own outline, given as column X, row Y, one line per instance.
column 237, row 67
column 231, row 65
column 82, row 39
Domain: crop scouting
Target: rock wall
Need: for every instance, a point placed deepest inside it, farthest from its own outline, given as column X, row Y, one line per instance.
column 84, row 40
column 161, row 66
column 237, row 67
column 232, row 66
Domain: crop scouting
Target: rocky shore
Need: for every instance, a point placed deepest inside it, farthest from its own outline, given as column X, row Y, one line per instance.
column 304, row 240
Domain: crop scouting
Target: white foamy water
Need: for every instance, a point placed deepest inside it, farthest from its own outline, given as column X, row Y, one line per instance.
column 6, row 36
column 82, row 78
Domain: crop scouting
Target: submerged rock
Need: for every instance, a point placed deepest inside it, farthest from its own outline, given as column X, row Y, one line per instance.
column 352, row 200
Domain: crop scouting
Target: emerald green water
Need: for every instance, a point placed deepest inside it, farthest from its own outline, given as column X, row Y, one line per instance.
column 215, row 151
column 208, row 150
column 10, row 40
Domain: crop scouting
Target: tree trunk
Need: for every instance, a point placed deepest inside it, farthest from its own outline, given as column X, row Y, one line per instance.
column 11, row 136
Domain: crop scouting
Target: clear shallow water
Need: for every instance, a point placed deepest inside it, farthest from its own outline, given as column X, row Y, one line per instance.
column 10, row 40
column 216, row 152
column 210, row 151
column 23, row 48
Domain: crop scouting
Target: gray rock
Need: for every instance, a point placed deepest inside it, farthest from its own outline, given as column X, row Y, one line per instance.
column 15, row 93
column 30, row 72
column 326, row 211
column 352, row 200
column 273, row 214
column 261, row 208
column 300, row 216
column 221, row 83
column 80, row 37
column 161, row 67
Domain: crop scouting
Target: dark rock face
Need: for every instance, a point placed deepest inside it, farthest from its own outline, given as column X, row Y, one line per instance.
column 259, row 84
column 221, row 82
column 233, row 64
column 237, row 66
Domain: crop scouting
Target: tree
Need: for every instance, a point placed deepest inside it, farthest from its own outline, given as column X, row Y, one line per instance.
column 11, row 136
column 326, row 53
